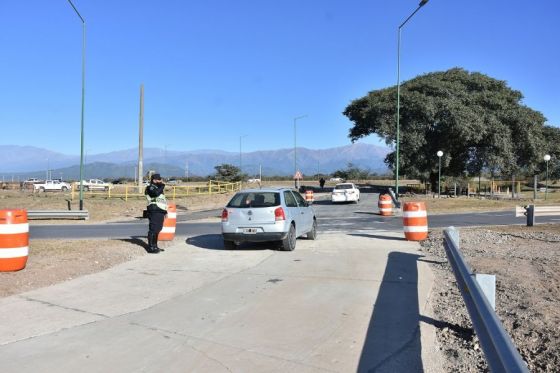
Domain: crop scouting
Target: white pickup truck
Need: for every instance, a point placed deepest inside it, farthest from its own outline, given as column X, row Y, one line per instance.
column 94, row 184
column 52, row 186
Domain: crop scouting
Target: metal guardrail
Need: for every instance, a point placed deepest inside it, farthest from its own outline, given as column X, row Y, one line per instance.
column 530, row 211
column 58, row 214
column 501, row 354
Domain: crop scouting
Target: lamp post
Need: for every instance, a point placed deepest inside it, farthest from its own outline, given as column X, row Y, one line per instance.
column 439, row 154
column 240, row 156
column 295, row 147
column 546, row 159
column 422, row 3
column 83, row 100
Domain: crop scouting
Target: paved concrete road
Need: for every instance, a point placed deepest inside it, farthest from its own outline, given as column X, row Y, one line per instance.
column 345, row 302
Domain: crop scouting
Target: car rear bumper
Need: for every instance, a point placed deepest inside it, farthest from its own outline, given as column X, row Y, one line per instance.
column 257, row 237
column 343, row 198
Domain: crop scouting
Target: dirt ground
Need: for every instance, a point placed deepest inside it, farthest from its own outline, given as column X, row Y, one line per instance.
column 53, row 261
column 526, row 262
column 100, row 208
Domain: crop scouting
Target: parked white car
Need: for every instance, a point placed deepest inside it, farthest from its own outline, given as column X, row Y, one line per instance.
column 94, row 184
column 262, row 215
column 345, row 192
column 52, row 186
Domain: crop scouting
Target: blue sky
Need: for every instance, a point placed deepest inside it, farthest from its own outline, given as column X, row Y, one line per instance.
column 218, row 69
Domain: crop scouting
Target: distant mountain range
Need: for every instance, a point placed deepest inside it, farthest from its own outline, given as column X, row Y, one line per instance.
column 26, row 161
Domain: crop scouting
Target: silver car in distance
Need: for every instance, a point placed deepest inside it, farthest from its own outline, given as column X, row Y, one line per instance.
column 262, row 215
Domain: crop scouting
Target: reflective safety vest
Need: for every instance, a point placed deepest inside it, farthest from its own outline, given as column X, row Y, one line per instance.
column 160, row 201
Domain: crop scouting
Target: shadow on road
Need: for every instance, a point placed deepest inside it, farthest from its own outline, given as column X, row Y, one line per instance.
column 390, row 238
column 393, row 337
column 136, row 240
column 216, row 242
column 322, row 202
column 367, row 213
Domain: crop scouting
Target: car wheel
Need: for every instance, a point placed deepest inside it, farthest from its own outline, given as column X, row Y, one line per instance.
column 229, row 245
column 41, row 189
column 86, row 189
column 312, row 234
column 64, row 189
column 289, row 243
column 106, row 189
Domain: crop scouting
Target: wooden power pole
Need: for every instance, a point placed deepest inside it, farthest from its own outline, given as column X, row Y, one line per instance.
column 141, row 142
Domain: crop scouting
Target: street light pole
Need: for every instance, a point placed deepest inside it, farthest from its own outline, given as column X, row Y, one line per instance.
column 83, row 101
column 546, row 159
column 295, row 147
column 240, row 157
column 439, row 154
column 422, row 3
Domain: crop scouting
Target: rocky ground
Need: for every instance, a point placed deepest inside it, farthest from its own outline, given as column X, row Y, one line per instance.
column 526, row 262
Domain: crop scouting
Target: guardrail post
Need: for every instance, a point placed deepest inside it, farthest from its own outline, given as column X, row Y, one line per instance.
column 487, row 284
column 126, row 193
column 530, row 215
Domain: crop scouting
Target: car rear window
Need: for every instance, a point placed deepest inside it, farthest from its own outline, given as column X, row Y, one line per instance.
column 343, row 186
column 255, row 199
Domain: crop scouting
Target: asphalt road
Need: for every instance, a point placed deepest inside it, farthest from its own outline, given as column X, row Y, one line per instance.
column 362, row 218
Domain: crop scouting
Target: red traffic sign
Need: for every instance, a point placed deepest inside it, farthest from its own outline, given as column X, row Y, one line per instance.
column 298, row 176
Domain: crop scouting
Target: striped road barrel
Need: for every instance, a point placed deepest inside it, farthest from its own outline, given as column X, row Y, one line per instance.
column 385, row 205
column 415, row 221
column 309, row 196
column 14, row 240
column 169, row 223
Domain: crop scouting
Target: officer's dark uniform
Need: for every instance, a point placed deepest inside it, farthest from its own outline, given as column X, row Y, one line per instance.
column 157, row 209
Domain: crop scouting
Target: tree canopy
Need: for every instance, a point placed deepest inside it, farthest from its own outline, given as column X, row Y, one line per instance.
column 477, row 121
column 227, row 172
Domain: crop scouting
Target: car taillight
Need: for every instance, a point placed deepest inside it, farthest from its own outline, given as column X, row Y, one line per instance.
column 224, row 215
column 279, row 214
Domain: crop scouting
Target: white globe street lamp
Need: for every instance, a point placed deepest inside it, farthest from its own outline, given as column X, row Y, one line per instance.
column 546, row 159
column 439, row 154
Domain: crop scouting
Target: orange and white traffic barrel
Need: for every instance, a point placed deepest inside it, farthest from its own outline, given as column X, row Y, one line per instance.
column 385, row 205
column 415, row 221
column 309, row 196
column 169, row 223
column 14, row 240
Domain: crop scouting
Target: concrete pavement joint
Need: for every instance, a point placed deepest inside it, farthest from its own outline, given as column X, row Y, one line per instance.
column 63, row 307
column 104, row 317
column 328, row 278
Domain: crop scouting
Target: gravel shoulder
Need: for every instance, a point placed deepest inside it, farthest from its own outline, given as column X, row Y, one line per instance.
column 526, row 262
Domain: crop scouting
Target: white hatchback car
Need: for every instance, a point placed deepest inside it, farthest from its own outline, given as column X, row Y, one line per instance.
column 261, row 215
column 345, row 192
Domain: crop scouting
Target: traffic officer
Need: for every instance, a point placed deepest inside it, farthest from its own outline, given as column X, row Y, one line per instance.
column 157, row 209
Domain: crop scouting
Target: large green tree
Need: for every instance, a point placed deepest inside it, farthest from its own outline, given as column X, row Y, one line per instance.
column 477, row 121
column 227, row 172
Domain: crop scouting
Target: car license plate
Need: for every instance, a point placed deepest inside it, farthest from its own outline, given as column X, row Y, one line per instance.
column 250, row 230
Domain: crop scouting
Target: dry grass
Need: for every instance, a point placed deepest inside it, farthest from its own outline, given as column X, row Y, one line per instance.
column 102, row 208
column 475, row 204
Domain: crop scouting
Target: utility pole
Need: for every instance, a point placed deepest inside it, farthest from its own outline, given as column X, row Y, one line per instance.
column 141, row 141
